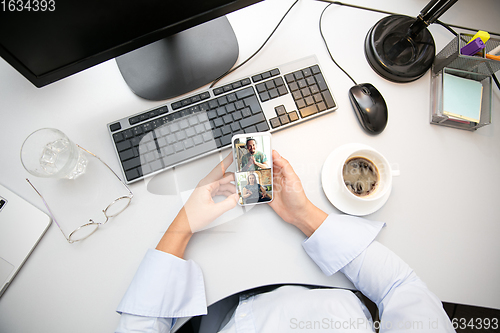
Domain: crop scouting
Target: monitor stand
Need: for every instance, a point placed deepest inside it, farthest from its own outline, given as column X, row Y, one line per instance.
column 182, row 62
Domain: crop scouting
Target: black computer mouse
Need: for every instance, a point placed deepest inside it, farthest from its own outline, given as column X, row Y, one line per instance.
column 370, row 107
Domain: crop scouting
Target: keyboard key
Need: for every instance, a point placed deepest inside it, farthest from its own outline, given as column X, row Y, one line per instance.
column 280, row 110
column 134, row 120
column 328, row 99
column 132, row 174
column 261, row 87
column 245, row 93
column 250, row 129
column 252, row 120
column 315, row 69
column 273, row 93
column 293, row 116
column 253, row 104
column 321, row 82
column 118, row 137
column 262, row 127
column 198, row 140
column 156, row 165
column 126, row 154
column 308, row 111
column 264, row 96
column 290, row 78
column 321, row 106
column 189, row 143
column 115, row 127
column 275, row 122
column 131, row 163
column 284, row 119
column 121, row 146
column 282, row 90
column 246, row 112
column 278, row 82
column 257, row 78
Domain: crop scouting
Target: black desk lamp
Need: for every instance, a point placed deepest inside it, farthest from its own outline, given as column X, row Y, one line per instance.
column 400, row 48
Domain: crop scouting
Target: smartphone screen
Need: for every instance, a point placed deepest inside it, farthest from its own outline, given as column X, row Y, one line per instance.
column 254, row 168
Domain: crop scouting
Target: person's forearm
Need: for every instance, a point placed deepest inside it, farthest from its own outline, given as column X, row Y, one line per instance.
column 309, row 219
column 262, row 165
column 177, row 236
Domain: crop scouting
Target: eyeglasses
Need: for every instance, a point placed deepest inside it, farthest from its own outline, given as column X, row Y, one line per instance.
column 113, row 209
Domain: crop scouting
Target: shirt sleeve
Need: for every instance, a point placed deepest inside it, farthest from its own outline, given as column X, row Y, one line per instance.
column 164, row 287
column 346, row 244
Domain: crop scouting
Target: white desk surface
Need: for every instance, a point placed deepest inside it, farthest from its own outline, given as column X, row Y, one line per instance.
column 442, row 216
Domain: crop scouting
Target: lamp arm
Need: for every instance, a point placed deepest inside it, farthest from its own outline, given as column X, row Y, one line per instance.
column 429, row 14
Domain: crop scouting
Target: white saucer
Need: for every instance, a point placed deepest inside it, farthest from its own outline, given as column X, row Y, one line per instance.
column 335, row 190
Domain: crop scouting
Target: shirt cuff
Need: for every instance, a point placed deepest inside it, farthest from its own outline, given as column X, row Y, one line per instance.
column 340, row 239
column 165, row 286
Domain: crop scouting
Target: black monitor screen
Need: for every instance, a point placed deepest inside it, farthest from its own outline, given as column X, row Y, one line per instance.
column 46, row 40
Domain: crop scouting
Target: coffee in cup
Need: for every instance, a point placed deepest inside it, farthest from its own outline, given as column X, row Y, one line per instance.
column 365, row 174
column 361, row 176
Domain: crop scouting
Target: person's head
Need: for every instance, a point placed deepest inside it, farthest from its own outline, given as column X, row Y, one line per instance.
column 252, row 179
column 251, row 146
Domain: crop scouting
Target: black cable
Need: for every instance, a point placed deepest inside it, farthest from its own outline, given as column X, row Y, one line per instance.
column 391, row 13
column 447, row 27
column 496, row 80
column 255, row 53
column 326, row 44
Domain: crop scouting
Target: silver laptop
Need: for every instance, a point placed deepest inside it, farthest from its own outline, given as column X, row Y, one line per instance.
column 22, row 225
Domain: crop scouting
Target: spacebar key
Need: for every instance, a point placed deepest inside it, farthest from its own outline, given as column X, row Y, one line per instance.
column 178, row 157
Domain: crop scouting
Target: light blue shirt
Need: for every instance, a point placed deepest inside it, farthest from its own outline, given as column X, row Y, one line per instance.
column 166, row 287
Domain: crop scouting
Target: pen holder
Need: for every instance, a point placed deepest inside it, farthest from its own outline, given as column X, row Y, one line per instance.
column 437, row 115
column 451, row 57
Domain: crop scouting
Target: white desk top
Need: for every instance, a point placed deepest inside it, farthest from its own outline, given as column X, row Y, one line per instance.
column 442, row 216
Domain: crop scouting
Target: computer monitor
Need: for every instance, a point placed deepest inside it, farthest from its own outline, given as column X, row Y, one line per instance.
column 48, row 40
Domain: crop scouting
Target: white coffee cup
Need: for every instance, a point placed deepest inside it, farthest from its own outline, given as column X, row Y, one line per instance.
column 384, row 170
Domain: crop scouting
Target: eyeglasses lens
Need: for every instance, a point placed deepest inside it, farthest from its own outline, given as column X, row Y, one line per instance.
column 117, row 206
column 83, row 232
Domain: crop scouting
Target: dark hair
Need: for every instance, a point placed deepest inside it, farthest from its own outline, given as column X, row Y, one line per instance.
column 250, row 139
column 254, row 176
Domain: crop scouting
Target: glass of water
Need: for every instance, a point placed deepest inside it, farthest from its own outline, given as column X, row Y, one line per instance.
column 49, row 153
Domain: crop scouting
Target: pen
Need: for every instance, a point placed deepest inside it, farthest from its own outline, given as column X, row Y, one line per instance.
column 493, row 57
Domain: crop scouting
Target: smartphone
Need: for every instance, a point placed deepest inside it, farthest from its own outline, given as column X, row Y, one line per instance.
column 254, row 168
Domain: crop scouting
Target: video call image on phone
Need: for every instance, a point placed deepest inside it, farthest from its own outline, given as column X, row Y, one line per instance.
column 254, row 173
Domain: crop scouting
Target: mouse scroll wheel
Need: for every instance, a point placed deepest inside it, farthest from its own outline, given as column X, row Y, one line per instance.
column 365, row 91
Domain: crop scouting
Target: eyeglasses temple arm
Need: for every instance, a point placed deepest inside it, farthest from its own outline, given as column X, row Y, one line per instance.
column 121, row 181
column 46, row 205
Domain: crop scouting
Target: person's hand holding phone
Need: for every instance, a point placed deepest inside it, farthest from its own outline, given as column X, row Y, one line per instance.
column 290, row 201
column 200, row 209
